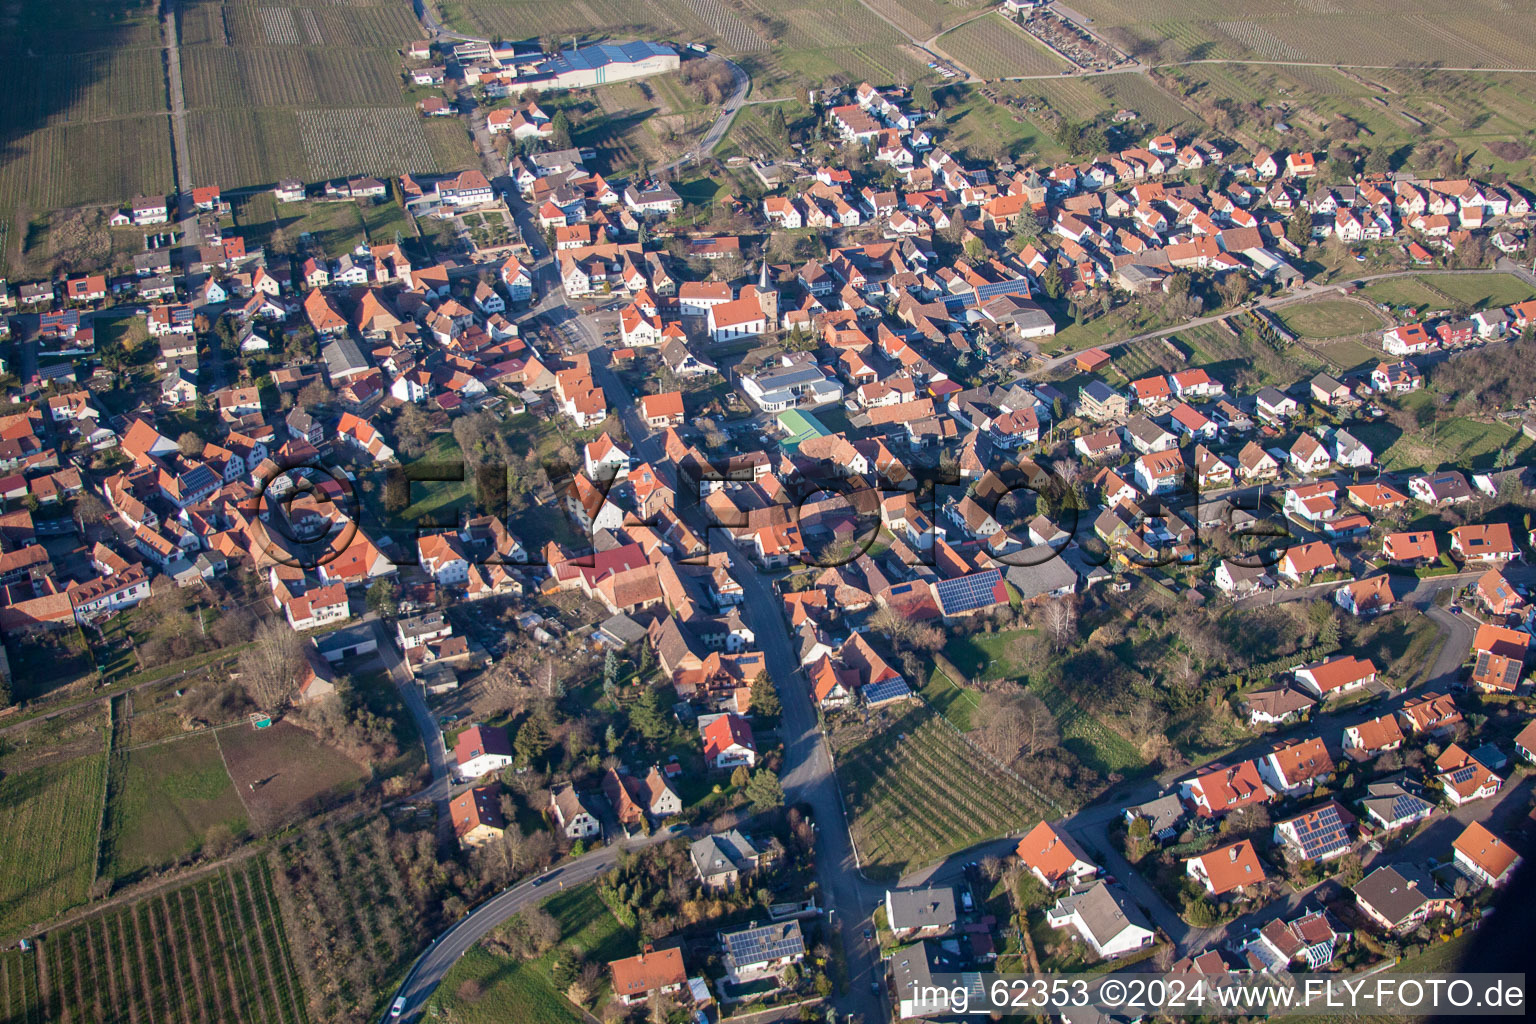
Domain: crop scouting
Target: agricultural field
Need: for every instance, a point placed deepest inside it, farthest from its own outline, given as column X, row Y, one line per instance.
column 906, row 805
column 283, row 772
column 52, row 815
column 352, row 903
column 172, row 794
column 923, row 19
column 1329, row 318
column 217, row 77
column 1363, row 32
column 213, row 950
column 20, row 1001
column 85, row 119
column 994, row 47
column 310, row 90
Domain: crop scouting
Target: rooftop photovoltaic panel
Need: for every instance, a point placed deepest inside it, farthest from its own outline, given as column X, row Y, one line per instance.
column 1321, row 832
column 769, row 942
column 969, row 592
column 891, row 689
column 1463, row 773
column 1407, row 805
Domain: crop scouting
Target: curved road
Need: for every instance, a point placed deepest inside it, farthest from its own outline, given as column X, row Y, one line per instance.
column 432, row 965
column 741, row 83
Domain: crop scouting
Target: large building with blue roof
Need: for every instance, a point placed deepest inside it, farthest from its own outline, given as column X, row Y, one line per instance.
column 602, row 63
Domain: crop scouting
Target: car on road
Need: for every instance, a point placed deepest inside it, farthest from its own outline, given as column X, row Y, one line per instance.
column 399, row 1007
column 874, row 987
column 868, row 934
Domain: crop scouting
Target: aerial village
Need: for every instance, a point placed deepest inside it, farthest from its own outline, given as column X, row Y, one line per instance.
column 233, row 453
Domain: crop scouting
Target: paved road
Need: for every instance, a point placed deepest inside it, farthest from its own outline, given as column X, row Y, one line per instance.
column 432, row 965
column 178, row 107
column 807, row 777
column 741, row 82
column 440, row 789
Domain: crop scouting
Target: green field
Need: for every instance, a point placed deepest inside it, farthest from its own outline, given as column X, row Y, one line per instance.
column 1483, row 290
column 213, row 950
column 483, row 988
column 1329, row 318
column 950, row 699
column 486, row 988
column 1402, row 291
column 48, row 846
column 1470, row 445
column 173, row 793
column 915, row 799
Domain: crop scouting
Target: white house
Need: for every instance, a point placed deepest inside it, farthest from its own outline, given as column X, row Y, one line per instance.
column 481, row 750
column 1105, row 918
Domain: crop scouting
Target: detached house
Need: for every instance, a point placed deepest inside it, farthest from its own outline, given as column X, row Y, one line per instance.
column 1234, row 868
column 1054, row 857
column 1341, row 674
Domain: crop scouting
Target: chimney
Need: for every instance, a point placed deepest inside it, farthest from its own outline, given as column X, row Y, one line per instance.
column 1232, row 854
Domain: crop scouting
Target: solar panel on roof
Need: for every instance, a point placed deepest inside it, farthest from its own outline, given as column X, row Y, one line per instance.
column 890, row 689
column 969, row 592
column 1406, row 806
column 1463, row 773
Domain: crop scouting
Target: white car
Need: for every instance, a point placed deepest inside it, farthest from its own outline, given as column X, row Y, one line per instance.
column 399, row 1007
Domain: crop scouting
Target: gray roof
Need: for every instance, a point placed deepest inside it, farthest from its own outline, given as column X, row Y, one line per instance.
column 760, row 943
column 1163, row 813
column 1391, row 801
column 721, row 853
column 1048, row 573
column 1397, row 890
column 623, row 628
column 1105, row 912
column 342, row 356
column 920, row 908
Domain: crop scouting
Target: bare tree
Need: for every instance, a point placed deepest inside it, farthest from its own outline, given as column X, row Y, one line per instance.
column 1016, row 724
column 1061, row 621
column 273, row 666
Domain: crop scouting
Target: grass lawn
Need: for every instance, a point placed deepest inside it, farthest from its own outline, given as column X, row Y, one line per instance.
column 988, row 654
column 1401, row 291
column 1329, row 318
column 48, row 846
column 173, row 794
column 1094, row 743
column 950, row 699
column 483, row 988
column 439, row 501
column 335, row 226
column 1483, row 290
column 587, row 924
column 1350, row 354
column 1470, row 445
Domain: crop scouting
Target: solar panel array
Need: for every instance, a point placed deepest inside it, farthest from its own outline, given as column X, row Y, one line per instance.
column 768, row 942
column 891, row 689
column 1406, row 806
column 1321, row 832
column 968, row 593
column 1464, row 773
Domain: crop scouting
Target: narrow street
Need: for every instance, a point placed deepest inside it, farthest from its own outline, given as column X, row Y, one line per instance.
column 807, row 777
